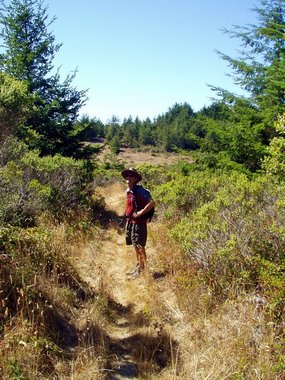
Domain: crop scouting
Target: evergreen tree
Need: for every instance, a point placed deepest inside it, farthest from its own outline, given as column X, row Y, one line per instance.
column 181, row 129
column 92, row 128
column 112, row 128
column 216, row 111
column 171, row 128
column 129, row 132
column 174, row 111
column 260, row 69
column 29, row 50
column 147, row 133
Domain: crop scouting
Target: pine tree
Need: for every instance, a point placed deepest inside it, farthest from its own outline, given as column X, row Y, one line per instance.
column 29, row 50
column 260, row 69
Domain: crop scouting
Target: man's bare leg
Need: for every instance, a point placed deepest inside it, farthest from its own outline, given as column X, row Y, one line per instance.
column 141, row 261
column 141, row 256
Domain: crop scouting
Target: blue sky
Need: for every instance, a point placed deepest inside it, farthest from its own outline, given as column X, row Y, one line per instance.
column 140, row 57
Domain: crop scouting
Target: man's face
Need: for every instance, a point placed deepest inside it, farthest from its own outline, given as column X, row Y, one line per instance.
column 131, row 180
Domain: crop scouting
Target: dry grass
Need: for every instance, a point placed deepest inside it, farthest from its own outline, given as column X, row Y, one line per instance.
column 230, row 341
column 52, row 330
column 230, row 344
column 132, row 157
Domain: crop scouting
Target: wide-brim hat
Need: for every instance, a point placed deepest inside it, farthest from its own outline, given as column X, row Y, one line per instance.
column 131, row 171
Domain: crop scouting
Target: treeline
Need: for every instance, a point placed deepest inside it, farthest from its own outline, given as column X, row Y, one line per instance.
column 42, row 110
column 225, row 134
column 234, row 130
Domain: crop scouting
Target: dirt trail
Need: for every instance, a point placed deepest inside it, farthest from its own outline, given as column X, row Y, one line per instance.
column 120, row 258
column 134, row 341
column 121, row 291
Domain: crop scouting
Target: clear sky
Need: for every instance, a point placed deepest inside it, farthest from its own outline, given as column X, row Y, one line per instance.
column 140, row 57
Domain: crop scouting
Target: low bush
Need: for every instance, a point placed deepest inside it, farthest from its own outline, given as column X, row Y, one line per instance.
column 227, row 269
column 231, row 228
column 30, row 185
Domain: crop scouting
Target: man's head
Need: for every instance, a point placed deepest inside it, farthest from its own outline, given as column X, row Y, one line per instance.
column 131, row 176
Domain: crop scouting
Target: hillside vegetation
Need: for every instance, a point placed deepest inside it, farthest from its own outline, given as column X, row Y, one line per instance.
column 211, row 304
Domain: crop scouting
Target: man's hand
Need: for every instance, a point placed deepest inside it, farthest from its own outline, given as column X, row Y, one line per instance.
column 137, row 214
column 140, row 213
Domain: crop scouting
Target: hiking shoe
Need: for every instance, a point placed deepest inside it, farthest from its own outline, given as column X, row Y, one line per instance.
column 136, row 273
column 134, row 270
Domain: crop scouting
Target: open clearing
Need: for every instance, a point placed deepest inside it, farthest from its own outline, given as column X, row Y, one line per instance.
column 132, row 157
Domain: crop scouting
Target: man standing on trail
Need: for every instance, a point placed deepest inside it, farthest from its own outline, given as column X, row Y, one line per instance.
column 138, row 203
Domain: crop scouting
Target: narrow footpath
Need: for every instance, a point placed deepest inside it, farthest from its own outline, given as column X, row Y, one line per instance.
column 139, row 348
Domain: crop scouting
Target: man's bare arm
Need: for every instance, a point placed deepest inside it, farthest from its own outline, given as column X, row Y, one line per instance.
column 147, row 207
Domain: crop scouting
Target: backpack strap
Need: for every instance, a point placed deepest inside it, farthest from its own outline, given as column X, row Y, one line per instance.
column 135, row 198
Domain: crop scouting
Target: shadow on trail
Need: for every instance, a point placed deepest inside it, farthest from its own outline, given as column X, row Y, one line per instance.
column 158, row 275
column 130, row 319
column 141, row 352
column 107, row 218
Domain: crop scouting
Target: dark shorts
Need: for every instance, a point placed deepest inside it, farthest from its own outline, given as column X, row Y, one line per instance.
column 136, row 234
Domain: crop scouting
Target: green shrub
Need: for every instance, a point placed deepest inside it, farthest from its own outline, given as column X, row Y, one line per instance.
column 15, row 105
column 184, row 193
column 153, row 175
column 274, row 162
column 232, row 229
column 30, row 184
